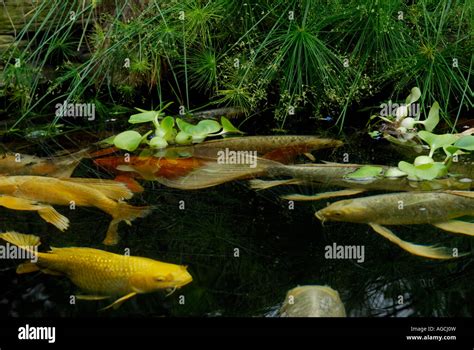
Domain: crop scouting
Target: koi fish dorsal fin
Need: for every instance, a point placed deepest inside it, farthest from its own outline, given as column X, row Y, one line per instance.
column 110, row 188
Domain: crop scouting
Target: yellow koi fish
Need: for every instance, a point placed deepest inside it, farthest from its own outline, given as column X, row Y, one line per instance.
column 99, row 273
column 408, row 208
column 33, row 192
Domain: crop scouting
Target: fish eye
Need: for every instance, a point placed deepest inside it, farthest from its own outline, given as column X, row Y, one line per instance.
column 160, row 279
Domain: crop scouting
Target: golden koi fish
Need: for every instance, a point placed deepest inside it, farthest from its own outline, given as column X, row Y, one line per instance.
column 409, row 208
column 30, row 192
column 312, row 301
column 99, row 273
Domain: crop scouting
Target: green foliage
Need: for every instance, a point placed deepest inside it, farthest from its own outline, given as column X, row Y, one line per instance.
column 424, row 166
column 365, row 172
column 165, row 133
column 299, row 58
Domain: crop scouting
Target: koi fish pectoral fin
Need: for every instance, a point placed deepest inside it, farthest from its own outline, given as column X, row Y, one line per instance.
column 16, row 203
column 47, row 212
column 416, row 249
column 456, row 226
column 324, row 195
column 112, row 237
column 51, row 215
column 310, row 156
column 116, row 304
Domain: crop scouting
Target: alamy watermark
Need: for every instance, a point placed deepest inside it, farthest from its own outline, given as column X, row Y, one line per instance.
column 37, row 333
column 10, row 251
column 237, row 157
column 75, row 110
column 399, row 110
column 336, row 251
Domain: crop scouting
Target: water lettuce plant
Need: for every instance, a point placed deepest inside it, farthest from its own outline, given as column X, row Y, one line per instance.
column 164, row 132
column 400, row 126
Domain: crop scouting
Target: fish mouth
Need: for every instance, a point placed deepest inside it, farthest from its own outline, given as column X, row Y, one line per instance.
column 183, row 282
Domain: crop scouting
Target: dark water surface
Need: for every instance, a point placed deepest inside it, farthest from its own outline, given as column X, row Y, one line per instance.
column 278, row 249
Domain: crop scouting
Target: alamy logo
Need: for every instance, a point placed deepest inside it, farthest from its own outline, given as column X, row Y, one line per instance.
column 37, row 333
column 9, row 251
column 336, row 251
column 75, row 110
column 237, row 157
column 399, row 110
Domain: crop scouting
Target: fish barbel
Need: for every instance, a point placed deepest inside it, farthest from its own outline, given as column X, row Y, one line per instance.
column 106, row 195
column 408, row 208
column 99, row 273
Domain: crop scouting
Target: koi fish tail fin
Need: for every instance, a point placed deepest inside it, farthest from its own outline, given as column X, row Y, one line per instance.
column 129, row 212
column 125, row 213
column 26, row 242
column 65, row 165
column 416, row 249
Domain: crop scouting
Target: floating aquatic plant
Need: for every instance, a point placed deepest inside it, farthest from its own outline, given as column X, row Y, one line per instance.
column 400, row 127
column 164, row 132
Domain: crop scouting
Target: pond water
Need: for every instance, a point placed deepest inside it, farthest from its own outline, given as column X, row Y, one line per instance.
column 245, row 250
